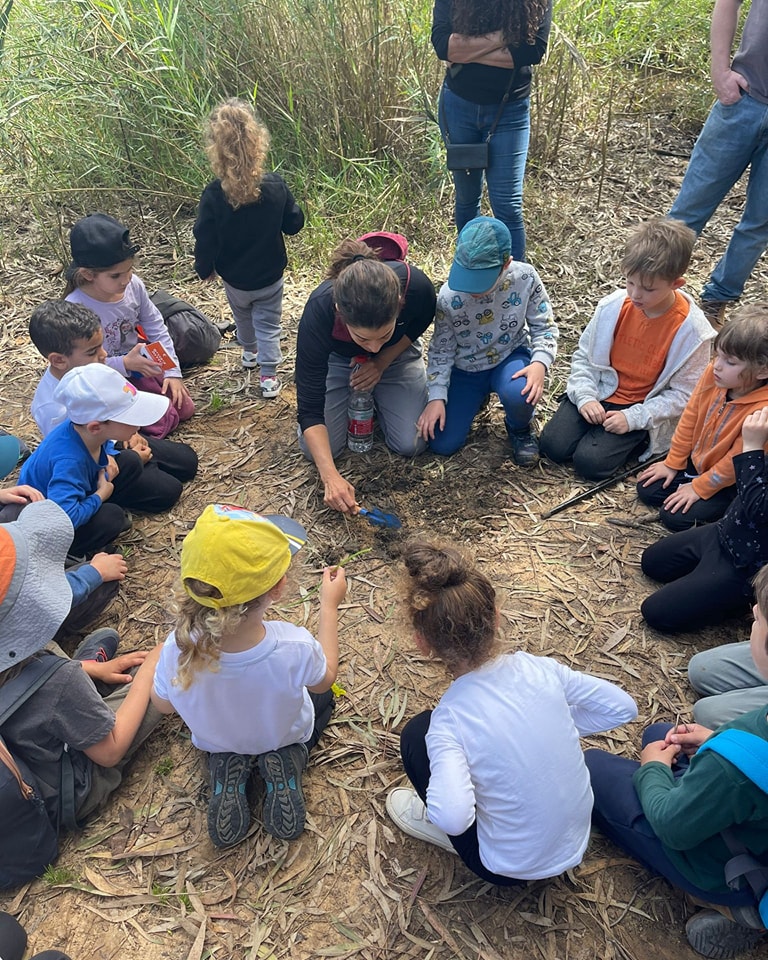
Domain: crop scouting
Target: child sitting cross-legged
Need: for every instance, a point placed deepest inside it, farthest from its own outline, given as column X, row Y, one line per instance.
column 253, row 692
column 696, row 481
column 707, row 570
column 498, row 762
column 72, row 466
column 670, row 811
column 637, row 361
column 69, row 335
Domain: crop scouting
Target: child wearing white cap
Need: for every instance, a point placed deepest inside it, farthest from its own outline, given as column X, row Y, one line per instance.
column 71, row 466
column 252, row 691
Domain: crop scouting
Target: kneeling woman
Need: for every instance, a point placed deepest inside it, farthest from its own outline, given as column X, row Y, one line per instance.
column 371, row 307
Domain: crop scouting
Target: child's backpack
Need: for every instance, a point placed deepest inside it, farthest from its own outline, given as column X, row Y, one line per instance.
column 194, row 336
column 749, row 754
column 30, row 839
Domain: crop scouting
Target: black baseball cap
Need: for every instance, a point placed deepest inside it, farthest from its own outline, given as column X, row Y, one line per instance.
column 100, row 241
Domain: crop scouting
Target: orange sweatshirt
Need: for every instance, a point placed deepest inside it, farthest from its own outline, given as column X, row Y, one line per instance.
column 709, row 433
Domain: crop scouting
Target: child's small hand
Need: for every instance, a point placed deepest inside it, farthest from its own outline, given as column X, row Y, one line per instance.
column 656, row 472
column 593, row 412
column 136, row 362
column 659, row 751
column 754, row 430
column 615, row 422
column 116, row 670
column 104, row 487
column 112, row 467
column 174, row 389
column 682, row 499
column 432, row 416
column 688, row 737
column 334, row 586
column 22, row 494
column 111, row 566
column 139, row 445
column 535, row 374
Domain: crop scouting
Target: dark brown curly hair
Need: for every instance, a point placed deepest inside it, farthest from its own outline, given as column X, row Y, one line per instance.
column 518, row 20
column 450, row 604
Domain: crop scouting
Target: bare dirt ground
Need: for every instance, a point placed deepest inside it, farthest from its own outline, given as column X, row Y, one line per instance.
column 142, row 880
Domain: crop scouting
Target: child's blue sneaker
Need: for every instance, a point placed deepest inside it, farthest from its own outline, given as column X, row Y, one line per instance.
column 284, row 809
column 229, row 814
column 101, row 646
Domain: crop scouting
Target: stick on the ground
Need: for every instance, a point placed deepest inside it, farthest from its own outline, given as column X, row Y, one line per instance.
column 603, row 485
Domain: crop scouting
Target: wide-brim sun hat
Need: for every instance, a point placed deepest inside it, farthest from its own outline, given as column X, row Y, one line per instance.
column 35, row 596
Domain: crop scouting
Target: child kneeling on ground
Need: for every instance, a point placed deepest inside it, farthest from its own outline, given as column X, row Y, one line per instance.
column 637, row 360
column 498, row 762
column 669, row 811
column 252, row 692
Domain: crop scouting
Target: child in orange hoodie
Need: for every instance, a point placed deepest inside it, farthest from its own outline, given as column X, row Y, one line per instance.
column 696, row 481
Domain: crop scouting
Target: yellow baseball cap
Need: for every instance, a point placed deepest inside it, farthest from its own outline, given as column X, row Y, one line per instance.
column 241, row 553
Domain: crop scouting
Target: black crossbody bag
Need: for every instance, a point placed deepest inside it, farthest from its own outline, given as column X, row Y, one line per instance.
column 471, row 156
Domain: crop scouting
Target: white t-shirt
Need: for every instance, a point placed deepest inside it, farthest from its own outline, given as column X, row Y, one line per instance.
column 257, row 701
column 504, row 750
column 47, row 412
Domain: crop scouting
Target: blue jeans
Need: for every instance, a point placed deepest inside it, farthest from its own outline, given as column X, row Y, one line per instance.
column 466, row 394
column 470, row 123
column 733, row 138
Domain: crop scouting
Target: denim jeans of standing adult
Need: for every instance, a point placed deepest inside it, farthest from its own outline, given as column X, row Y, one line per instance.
column 468, row 122
column 733, row 138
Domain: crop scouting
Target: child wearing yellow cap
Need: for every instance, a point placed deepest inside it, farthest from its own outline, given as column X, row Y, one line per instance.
column 253, row 692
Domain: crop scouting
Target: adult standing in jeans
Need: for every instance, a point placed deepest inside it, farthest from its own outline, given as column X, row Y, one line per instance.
column 490, row 49
column 734, row 137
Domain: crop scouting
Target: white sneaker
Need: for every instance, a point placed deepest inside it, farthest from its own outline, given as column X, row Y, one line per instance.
column 250, row 360
column 407, row 811
column 270, row 387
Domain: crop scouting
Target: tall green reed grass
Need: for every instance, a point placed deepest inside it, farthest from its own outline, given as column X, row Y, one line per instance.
column 103, row 100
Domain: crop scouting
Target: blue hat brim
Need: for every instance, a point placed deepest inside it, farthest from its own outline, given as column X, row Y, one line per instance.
column 293, row 531
column 472, row 281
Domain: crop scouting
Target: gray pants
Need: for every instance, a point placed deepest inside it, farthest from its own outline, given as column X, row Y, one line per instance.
column 400, row 397
column 728, row 682
column 257, row 316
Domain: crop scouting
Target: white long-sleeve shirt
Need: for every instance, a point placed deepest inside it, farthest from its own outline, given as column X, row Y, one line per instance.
column 504, row 750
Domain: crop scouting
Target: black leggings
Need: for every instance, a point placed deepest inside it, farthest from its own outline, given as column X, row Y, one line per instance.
column 703, row 587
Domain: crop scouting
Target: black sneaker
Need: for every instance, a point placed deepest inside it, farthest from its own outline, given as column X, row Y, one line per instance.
column 101, row 646
column 713, row 935
column 284, row 809
column 525, row 447
column 229, row 814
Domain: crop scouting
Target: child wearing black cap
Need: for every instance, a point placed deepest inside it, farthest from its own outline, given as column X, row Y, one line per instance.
column 101, row 277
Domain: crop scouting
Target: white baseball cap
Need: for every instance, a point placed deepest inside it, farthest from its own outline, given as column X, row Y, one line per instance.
column 97, row 392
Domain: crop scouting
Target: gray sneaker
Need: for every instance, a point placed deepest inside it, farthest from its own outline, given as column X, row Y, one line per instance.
column 229, row 814
column 525, row 447
column 284, row 809
column 713, row 935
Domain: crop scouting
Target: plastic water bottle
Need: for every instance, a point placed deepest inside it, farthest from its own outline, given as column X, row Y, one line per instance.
column 360, row 414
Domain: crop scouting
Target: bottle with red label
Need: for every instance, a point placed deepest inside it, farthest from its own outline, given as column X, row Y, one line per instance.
column 360, row 414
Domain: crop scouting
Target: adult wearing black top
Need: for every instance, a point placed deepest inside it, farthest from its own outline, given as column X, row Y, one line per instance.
column 490, row 48
column 367, row 307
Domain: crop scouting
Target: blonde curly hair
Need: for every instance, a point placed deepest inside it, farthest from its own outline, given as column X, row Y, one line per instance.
column 199, row 630
column 237, row 144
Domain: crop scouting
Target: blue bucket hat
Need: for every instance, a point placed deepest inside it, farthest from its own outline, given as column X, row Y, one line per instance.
column 482, row 249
